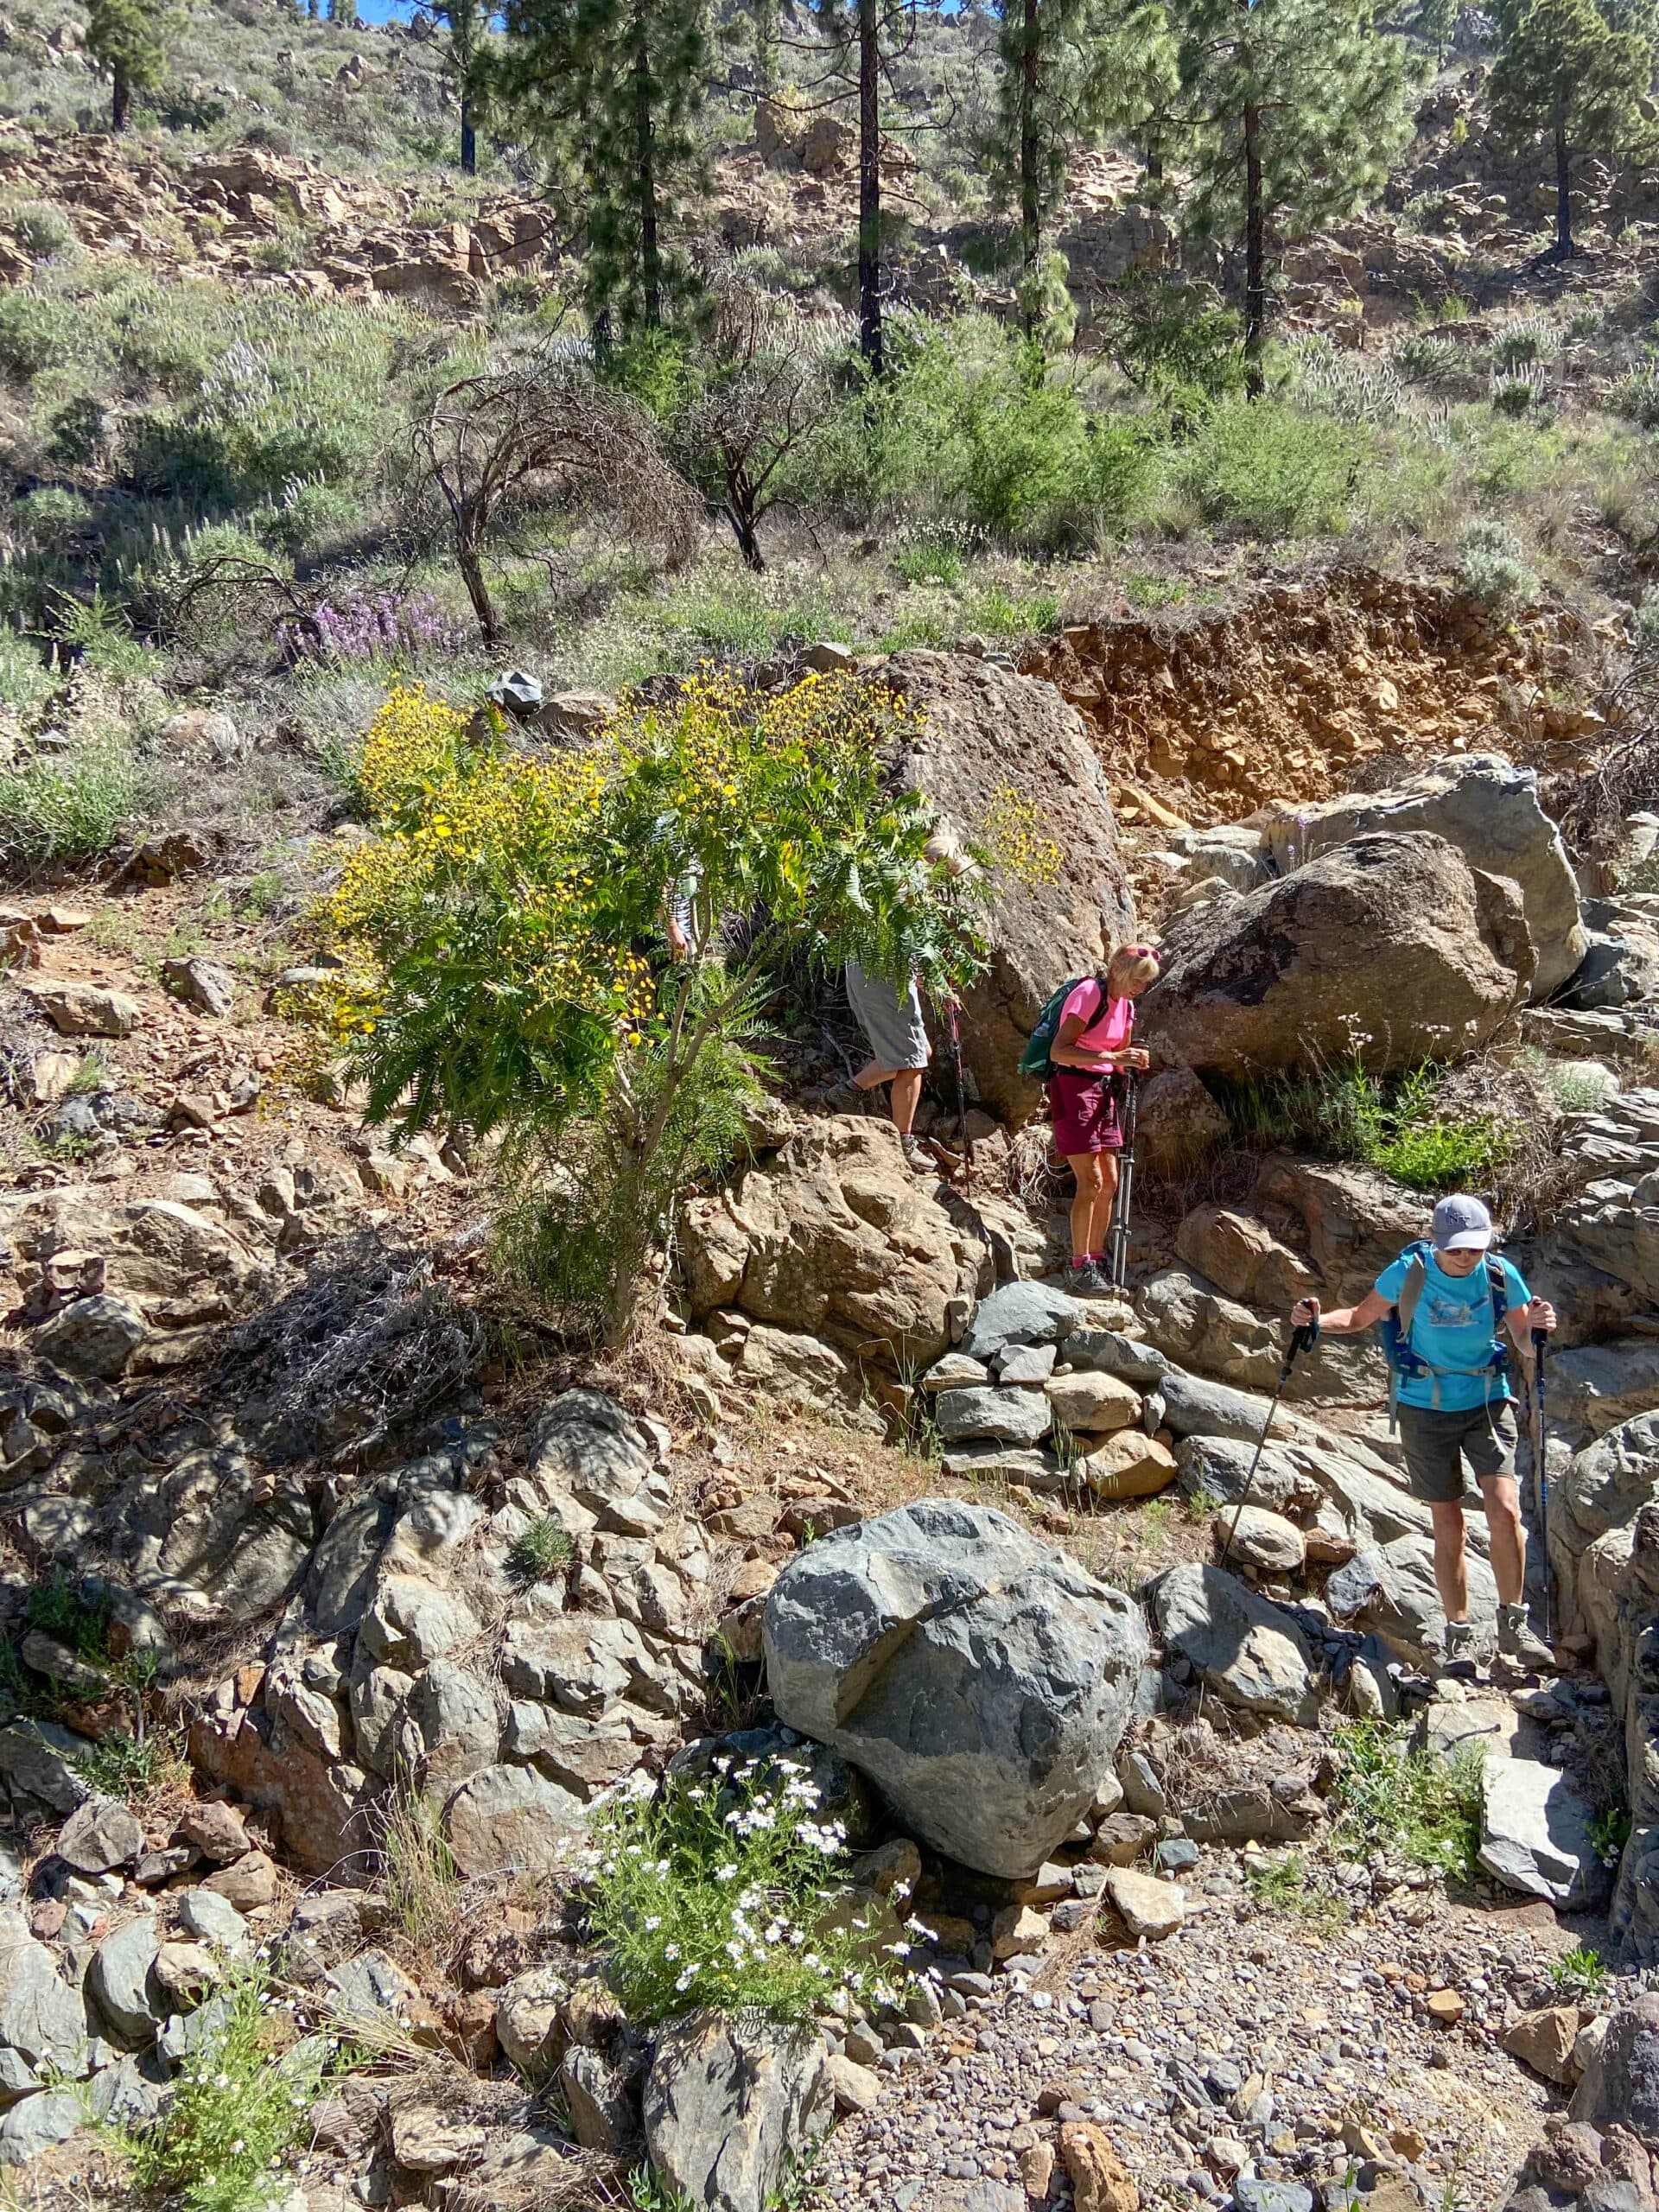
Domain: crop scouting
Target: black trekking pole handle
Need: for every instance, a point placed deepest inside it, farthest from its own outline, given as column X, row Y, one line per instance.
column 1303, row 1337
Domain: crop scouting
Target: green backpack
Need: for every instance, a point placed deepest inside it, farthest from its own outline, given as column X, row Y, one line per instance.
column 1034, row 1060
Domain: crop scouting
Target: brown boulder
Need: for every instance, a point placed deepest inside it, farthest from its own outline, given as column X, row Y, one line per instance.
column 836, row 1238
column 1100, row 2180
column 1389, row 949
column 988, row 734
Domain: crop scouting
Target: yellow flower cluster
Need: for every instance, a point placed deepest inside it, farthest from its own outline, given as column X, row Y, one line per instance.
column 464, row 832
column 1014, row 839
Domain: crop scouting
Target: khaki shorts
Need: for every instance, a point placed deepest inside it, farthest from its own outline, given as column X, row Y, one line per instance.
column 1438, row 1447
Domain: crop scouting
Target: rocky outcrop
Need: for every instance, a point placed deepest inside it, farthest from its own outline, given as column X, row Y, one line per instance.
column 1604, row 1546
column 836, row 1238
column 981, row 1678
column 988, row 735
column 1490, row 810
column 1388, row 949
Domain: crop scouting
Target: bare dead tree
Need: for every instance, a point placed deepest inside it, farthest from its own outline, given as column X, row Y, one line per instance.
column 542, row 432
column 762, row 387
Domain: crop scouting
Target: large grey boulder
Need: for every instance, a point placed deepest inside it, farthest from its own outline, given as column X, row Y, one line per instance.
column 100, row 1835
column 1490, row 810
column 1389, row 949
column 984, row 730
column 729, row 2104
column 981, row 1678
column 1191, row 1322
column 1535, row 1835
column 39, row 2124
column 1621, row 2083
column 1249, row 1650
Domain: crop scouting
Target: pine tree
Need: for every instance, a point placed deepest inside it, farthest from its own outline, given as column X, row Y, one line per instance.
column 1132, row 80
column 130, row 38
column 467, row 22
column 867, row 29
column 1564, row 69
column 1286, row 115
column 610, row 89
column 1040, row 120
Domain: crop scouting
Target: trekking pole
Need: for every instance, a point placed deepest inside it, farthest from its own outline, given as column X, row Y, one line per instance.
column 1540, row 1465
column 1302, row 1338
column 1120, row 1238
column 953, row 1015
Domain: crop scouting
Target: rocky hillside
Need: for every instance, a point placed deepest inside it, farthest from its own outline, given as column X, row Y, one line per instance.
column 883, row 1735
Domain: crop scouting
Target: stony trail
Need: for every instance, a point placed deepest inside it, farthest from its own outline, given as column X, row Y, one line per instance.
column 1247, row 2036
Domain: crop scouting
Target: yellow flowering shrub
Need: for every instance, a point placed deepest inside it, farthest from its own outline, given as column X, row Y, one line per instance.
column 505, row 928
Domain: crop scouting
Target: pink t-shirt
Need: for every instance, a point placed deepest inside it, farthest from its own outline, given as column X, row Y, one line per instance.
column 1111, row 1032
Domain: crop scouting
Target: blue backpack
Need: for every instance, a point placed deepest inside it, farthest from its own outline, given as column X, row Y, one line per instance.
column 1394, row 1330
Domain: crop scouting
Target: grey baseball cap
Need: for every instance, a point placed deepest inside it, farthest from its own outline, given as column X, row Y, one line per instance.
column 1461, row 1225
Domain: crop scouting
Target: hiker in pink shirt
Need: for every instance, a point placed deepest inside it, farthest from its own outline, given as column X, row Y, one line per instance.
column 1090, row 1053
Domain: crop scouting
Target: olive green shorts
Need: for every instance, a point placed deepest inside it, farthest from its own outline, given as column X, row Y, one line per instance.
column 1439, row 1446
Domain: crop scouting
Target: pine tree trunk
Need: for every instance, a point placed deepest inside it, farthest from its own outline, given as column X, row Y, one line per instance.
column 869, row 183
column 1030, row 214
column 1256, row 255
column 1563, row 188
column 766, row 49
column 650, row 260
column 468, row 139
column 120, row 97
column 1153, row 160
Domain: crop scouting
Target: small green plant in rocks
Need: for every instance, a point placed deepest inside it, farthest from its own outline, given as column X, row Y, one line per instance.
column 1413, row 1805
column 721, row 1892
column 239, row 2106
column 543, row 1551
column 1581, row 1972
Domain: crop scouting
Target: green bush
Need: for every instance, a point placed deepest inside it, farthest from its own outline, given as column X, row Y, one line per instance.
column 40, row 227
column 1408, row 1801
column 51, row 514
column 973, row 423
column 1262, row 467
column 1492, row 567
column 1176, row 339
column 68, row 806
column 36, row 333
column 542, row 1551
column 1347, row 1112
column 236, row 2109
column 1637, row 396
column 718, row 1893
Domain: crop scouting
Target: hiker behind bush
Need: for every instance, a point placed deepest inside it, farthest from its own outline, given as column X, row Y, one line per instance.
column 1442, row 1307
column 1087, row 1062
column 896, row 1027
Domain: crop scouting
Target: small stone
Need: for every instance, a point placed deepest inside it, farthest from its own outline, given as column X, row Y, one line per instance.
column 202, row 984
column 248, row 1884
column 1121, row 1838
column 215, row 1919
column 1444, row 2006
column 863, row 2046
column 1016, row 1930
column 428, row 2140
column 1226, row 2153
column 1175, row 1852
column 100, row 1834
column 1251, row 2193
column 855, row 2088
column 1100, row 2181
column 1148, row 1907
column 1037, row 2170
column 1545, row 2040
column 86, row 1009
column 187, row 1973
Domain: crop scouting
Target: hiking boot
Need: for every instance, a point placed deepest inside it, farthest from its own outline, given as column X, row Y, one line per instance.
column 1517, row 1643
column 1090, row 1280
column 1458, row 1660
column 918, row 1158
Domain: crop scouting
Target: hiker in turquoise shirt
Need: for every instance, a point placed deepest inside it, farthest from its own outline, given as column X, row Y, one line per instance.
column 1442, row 1306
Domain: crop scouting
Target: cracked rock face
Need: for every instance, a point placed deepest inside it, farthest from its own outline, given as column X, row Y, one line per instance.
column 982, row 1678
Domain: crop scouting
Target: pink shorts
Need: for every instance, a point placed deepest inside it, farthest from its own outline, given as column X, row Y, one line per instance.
column 1084, row 1110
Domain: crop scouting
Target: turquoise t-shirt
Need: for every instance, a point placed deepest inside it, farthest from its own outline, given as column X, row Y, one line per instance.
column 1452, row 1326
